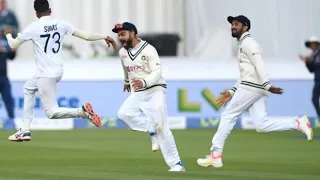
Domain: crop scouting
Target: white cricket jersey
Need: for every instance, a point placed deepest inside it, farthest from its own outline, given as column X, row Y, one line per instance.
column 142, row 62
column 47, row 35
column 253, row 75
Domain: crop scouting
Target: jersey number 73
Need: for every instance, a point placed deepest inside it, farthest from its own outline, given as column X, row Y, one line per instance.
column 56, row 38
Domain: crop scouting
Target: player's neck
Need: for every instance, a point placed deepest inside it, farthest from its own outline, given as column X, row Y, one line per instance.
column 40, row 15
column 242, row 35
column 135, row 42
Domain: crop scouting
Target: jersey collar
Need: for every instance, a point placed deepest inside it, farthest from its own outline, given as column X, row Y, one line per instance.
column 45, row 17
column 244, row 36
column 138, row 45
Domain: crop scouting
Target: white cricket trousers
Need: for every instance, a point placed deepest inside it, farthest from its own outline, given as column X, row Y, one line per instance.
column 154, row 106
column 48, row 94
column 257, row 104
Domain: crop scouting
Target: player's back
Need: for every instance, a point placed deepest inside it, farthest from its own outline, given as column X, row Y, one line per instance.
column 47, row 35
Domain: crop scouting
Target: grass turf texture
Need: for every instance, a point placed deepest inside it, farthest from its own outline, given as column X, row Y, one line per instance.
column 124, row 154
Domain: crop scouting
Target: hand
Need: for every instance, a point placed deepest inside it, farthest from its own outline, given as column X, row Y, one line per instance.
column 126, row 87
column 109, row 41
column 137, row 84
column 276, row 90
column 8, row 31
column 305, row 59
column 224, row 98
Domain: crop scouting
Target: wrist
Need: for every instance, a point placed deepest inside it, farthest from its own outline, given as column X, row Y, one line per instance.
column 144, row 83
column 231, row 92
column 267, row 87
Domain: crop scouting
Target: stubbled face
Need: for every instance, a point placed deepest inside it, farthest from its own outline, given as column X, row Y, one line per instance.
column 237, row 29
column 314, row 45
column 125, row 37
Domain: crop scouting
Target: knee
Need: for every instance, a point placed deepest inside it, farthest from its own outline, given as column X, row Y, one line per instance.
column 261, row 128
column 26, row 90
column 50, row 113
column 122, row 115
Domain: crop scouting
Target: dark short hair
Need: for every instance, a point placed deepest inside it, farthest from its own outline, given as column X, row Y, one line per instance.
column 41, row 5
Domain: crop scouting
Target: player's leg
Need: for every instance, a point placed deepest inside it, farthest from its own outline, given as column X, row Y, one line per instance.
column 315, row 98
column 47, row 90
column 241, row 100
column 29, row 90
column 258, row 112
column 155, row 107
column 130, row 113
column 7, row 96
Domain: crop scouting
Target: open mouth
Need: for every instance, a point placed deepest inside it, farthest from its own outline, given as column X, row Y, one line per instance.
column 124, row 43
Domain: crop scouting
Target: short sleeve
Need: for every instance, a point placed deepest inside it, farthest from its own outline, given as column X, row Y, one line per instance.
column 26, row 34
column 68, row 27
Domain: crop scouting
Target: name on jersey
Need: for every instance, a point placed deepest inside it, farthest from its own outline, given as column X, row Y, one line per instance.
column 134, row 68
column 50, row 28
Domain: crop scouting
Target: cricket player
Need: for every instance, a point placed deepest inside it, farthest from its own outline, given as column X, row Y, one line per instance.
column 47, row 34
column 250, row 92
column 143, row 78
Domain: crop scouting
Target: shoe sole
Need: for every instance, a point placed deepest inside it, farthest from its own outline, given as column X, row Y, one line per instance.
column 210, row 165
column 311, row 130
column 20, row 140
column 94, row 118
column 182, row 170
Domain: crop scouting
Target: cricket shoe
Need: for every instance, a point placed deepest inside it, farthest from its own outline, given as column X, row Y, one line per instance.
column 305, row 127
column 154, row 141
column 179, row 167
column 20, row 136
column 211, row 161
column 88, row 113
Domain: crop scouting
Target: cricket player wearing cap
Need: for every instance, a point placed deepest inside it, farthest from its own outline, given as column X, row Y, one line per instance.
column 143, row 78
column 250, row 92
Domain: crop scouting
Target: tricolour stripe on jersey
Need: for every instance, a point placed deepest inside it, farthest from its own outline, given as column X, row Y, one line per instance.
column 143, row 89
column 134, row 56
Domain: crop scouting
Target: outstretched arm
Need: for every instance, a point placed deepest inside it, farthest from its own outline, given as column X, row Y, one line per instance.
column 14, row 43
column 89, row 36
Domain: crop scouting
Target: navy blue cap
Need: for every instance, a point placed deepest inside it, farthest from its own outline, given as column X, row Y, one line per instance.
column 241, row 18
column 125, row 26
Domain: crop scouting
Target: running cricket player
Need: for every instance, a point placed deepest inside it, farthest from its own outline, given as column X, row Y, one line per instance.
column 143, row 77
column 250, row 92
column 47, row 34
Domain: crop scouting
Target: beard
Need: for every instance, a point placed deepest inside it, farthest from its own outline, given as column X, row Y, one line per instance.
column 236, row 34
column 127, row 44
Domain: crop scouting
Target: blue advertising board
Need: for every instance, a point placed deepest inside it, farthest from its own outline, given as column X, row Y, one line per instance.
column 185, row 98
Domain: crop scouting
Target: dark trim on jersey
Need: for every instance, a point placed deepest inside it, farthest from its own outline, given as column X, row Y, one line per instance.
column 244, row 37
column 161, row 85
column 145, row 83
column 266, row 83
column 252, row 84
column 234, row 89
column 134, row 56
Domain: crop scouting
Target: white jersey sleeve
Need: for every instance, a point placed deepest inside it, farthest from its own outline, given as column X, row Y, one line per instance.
column 26, row 34
column 155, row 67
column 125, row 72
column 68, row 28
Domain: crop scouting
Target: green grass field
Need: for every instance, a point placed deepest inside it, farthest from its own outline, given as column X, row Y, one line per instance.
column 124, row 154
